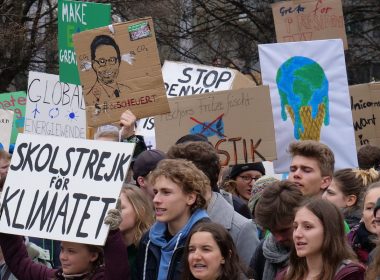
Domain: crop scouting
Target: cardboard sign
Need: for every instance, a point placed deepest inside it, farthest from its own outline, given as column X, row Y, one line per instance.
column 365, row 105
column 182, row 79
column 120, row 69
column 6, row 121
column 310, row 98
column 16, row 102
column 238, row 123
column 70, row 186
column 74, row 17
column 54, row 108
column 309, row 20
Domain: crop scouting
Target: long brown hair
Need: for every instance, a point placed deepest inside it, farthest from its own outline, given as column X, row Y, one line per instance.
column 231, row 269
column 335, row 247
column 143, row 208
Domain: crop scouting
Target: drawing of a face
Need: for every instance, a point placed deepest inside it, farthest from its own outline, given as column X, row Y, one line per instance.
column 106, row 64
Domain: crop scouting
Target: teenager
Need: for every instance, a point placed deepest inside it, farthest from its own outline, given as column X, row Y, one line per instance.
column 78, row 261
column 320, row 249
column 346, row 190
column 362, row 236
column 373, row 271
column 210, row 254
column 179, row 204
column 137, row 217
column 275, row 213
column 311, row 167
column 243, row 230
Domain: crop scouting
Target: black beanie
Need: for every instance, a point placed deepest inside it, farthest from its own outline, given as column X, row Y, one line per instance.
column 240, row 168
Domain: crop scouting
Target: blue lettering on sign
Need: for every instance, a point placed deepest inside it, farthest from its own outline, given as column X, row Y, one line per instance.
column 298, row 9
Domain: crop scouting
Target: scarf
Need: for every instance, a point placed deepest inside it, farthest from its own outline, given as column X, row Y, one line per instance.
column 276, row 257
column 157, row 237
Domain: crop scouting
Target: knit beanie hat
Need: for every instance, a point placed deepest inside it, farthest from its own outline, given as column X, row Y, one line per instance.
column 240, row 168
column 257, row 190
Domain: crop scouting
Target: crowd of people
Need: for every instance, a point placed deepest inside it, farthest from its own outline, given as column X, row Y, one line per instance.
column 182, row 216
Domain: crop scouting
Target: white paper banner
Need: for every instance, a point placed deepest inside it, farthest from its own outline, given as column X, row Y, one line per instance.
column 62, row 190
column 310, row 98
column 54, row 108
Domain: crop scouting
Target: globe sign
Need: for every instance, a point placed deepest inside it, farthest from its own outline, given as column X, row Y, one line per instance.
column 303, row 90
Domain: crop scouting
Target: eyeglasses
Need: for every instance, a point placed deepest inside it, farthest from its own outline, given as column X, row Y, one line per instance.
column 249, row 179
column 103, row 61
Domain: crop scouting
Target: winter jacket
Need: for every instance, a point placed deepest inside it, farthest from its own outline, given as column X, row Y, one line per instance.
column 346, row 271
column 269, row 259
column 362, row 242
column 243, row 231
column 149, row 257
column 15, row 254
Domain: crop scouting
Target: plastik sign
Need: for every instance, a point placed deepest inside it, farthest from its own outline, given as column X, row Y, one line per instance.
column 70, row 187
column 182, row 79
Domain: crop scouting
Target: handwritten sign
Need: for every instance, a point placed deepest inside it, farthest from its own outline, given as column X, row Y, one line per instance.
column 6, row 120
column 75, row 17
column 16, row 102
column 69, row 188
column 183, row 79
column 309, row 20
column 54, row 108
column 238, row 123
column 365, row 106
column 120, row 69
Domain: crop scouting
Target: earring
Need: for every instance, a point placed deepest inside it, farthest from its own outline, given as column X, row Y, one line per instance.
column 222, row 261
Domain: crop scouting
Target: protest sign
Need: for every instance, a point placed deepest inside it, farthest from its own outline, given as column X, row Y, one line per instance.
column 309, row 20
column 238, row 123
column 365, row 104
column 70, row 187
column 182, row 79
column 16, row 102
column 54, row 108
column 119, row 69
column 6, row 121
column 74, row 17
column 310, row 98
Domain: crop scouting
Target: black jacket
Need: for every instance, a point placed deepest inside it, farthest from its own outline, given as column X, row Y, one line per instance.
column 148, row 259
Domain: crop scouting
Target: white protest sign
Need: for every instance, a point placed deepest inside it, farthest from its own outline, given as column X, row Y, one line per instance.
column 62, row 190
column 54, row 107
column 310, row 97
column 182, row 79
column 6, row 121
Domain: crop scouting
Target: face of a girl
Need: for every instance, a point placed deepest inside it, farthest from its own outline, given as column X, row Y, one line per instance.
column 205, row 259
column 308, row 233
column 76, row 258
column 369, row 204
column 128, row 214
column 334, row 194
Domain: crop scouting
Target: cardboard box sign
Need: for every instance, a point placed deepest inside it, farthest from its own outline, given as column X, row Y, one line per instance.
column 365, row 104
column 119, row 69
column 306, row 20
column 239, row 123
column 62, row 190
column 6, row 121
column 183, row 79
